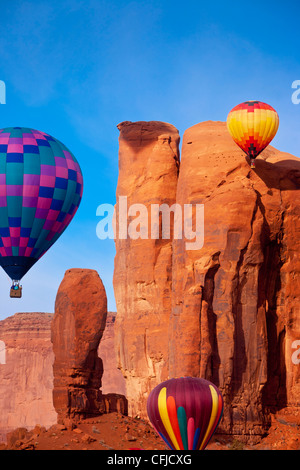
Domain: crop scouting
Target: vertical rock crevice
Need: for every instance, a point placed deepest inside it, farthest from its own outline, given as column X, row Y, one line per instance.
column 209, row 356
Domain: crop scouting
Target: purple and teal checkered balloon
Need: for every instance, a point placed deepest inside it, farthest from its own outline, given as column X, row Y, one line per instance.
column 41, row 188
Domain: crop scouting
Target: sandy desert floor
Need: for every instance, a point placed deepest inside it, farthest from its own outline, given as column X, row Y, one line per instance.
column 117, row 432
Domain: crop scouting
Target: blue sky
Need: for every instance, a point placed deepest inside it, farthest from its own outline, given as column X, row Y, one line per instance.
column 76, row 68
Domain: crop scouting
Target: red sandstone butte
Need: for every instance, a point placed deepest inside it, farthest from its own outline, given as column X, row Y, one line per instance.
column 26, row 377
column 77, row 328
column 228, row 309
column 235, row 312
column 148, row 171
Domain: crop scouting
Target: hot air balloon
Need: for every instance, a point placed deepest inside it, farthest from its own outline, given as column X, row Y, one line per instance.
column 252, row 125
column 185, row 412
column 41, row 188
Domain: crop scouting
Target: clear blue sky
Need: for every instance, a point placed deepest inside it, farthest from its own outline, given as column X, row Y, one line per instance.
column 76, row 68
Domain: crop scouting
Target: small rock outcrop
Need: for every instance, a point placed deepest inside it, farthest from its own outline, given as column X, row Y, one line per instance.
column 77, row 328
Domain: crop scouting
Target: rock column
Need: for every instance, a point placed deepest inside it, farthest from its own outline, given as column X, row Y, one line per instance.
column 77, row 328
column 148, row 171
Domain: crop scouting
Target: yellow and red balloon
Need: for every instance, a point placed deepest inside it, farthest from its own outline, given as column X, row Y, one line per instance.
column 252, row 125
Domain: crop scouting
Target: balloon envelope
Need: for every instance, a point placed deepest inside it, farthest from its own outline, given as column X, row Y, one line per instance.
column 252, row 125
column 41, row 187
column 185, row 412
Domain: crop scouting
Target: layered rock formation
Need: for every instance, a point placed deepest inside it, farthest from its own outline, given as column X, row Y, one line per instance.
column 76, row 330
column 148, row 172
column 226, row 311
column 26, row 377
column 26, row 372
column 234, row 313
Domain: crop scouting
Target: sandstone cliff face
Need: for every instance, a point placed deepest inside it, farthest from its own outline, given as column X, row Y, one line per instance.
column 237, row 294
column 76, row 330
column 26, row 377
column 113, row 381
column 234, row 313
column 148, row 171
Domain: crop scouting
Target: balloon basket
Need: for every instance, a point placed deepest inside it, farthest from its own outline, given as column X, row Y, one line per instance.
column 252, row 164
column 16, row 291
